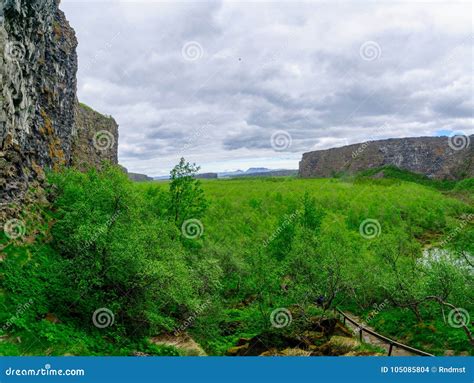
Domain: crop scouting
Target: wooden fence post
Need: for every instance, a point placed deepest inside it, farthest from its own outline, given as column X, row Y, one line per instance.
column 390, row 349
column 386, row 340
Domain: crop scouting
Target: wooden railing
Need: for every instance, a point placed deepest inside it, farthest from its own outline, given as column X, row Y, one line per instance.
column 392, row 343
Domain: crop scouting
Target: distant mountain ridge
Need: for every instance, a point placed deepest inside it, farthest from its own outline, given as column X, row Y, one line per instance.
column 250, row 172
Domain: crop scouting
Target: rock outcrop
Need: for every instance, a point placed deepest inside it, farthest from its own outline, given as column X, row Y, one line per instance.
column 137, row 177
column 435, row 157
column 41, row 124
column 95, row 138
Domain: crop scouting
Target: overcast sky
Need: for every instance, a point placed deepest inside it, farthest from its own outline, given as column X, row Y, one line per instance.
column 232, row 85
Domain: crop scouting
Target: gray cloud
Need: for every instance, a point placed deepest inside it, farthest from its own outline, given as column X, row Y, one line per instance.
column 265, row 67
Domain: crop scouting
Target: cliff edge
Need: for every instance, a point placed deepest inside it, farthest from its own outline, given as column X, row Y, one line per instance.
column 434, row 157
column 42, row 126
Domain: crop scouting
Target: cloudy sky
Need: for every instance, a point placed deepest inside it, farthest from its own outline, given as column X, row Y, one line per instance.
column 232, row 85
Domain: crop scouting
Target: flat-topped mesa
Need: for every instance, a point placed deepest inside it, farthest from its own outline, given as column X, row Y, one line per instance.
column 41, row 124
column 435, row 157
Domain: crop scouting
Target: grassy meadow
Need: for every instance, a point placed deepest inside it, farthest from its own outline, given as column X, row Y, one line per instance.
column 107, row 265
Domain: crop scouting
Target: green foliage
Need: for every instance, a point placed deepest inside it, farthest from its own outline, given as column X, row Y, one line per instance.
column 466, row 184
column 312, row 216
column 282, row 239
column 112, row 247
column 186, row 195
column 393, row 173
column 119, row 255
column 269, row 243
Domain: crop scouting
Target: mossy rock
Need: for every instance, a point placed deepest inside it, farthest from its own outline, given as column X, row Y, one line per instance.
column 238, row 350
column 339, row 345
column 311, row 338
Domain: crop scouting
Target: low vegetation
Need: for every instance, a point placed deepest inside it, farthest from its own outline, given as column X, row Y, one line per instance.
column 111, row 263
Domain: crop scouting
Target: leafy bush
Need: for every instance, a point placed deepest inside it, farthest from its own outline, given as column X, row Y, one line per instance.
column 467, row 184
column 109, row 243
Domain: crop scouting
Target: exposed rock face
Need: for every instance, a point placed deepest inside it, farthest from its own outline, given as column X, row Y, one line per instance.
column 95, row 139
column 137, row 177
column 38, row 104
column 38, row 65
column 435, row 157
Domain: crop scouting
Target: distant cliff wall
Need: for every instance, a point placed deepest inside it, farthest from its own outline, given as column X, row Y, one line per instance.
column 435, row 157
column 41, row 124
column 137, row 177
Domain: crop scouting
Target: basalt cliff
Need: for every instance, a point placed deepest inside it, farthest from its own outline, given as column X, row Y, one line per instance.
column 42, row 125
column 434, row 157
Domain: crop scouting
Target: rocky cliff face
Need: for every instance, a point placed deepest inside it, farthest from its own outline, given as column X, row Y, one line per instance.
column 435, row 157
column 137, row 177
column 95, row 138
column 41, row 124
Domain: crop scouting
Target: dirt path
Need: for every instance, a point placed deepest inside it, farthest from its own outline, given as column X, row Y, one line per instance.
column 183, row 342
column 367, row 338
